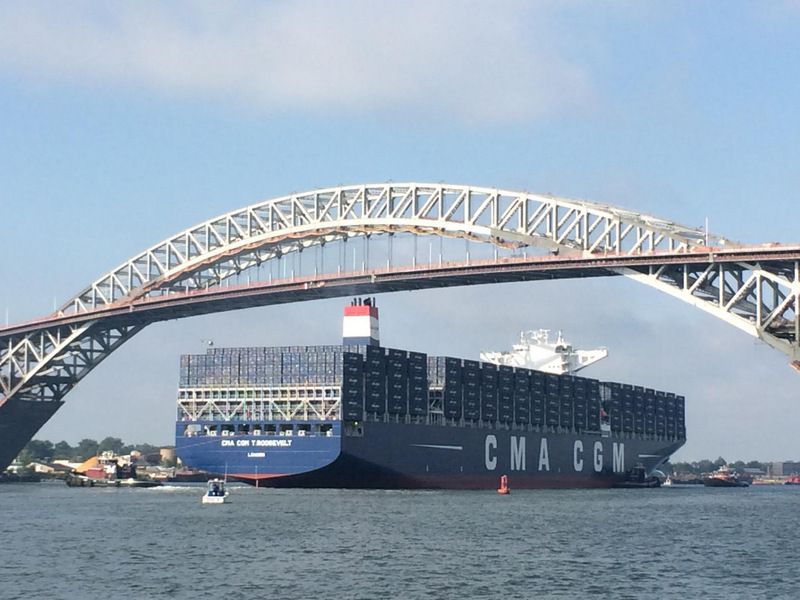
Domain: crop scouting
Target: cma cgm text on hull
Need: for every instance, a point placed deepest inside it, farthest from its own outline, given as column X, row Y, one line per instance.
column 360, row 415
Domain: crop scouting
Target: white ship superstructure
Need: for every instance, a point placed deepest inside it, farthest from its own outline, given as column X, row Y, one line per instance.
column 536, row 351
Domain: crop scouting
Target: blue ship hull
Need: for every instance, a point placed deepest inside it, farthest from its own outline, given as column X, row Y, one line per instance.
column 403, row 455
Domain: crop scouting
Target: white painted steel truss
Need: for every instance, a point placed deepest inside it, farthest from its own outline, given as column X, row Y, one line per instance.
column 760, row 299
column 206, row 254
column 284, row 403
column 46, row 363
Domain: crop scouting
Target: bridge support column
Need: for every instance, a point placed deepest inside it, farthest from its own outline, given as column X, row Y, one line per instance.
column 19, row 422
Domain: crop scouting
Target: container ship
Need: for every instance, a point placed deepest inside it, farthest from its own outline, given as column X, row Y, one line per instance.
column 359, row 415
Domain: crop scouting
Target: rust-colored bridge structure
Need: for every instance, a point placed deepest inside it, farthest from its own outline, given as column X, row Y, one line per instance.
column 367, row 239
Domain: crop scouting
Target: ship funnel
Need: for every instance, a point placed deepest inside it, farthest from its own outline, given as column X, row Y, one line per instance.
column 360, row 323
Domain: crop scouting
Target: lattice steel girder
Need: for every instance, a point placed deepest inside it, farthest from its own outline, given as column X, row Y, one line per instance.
column 760, row 299
column 196, row 256
column 282, row 409
column 45, row 364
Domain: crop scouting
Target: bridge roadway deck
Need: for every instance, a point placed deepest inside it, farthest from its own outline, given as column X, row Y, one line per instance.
column 221, row 298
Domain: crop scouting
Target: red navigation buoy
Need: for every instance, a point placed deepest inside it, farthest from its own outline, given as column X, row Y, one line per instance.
column 504, row 489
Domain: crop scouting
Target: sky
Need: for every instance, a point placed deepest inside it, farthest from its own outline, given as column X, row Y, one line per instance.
column 123, row 123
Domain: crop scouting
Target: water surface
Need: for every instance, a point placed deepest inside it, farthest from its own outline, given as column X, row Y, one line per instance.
column 682, row 542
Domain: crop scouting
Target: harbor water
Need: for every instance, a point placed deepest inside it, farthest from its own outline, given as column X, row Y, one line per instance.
column 680, row 542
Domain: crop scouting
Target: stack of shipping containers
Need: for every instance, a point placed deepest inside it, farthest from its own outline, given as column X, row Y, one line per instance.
column 489, row 379
column 375, row 381
column 661, row 414
column 552, row 401
column 581, row 390
column 537, row 398
column 593, row 405
column 638, row 410
column 505, row 394
column 614, row 405
column 649, row 412
column 522, row 397
column 627, row 408
column 565, row 394
column 378, row 381
column 352, row 386
column 397, row 382
column 472, row 390
column 670, row 415
column 453, row 388
column 417, row 384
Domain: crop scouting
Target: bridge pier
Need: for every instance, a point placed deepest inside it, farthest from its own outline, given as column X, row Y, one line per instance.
column 19, row 422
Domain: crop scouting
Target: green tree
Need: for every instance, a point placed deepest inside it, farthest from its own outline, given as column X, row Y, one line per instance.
column 147, row 448
column 40, row 449
column 86, row 448
column 705, row 466
column 63, row 450
column 111, row 443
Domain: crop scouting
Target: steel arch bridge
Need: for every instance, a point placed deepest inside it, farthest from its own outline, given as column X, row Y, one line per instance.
column 755, row 288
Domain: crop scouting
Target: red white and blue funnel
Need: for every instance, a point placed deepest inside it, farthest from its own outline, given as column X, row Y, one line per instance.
column 360, row 323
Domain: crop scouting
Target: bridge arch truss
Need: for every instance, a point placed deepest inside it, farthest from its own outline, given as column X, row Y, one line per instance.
column 755, row 289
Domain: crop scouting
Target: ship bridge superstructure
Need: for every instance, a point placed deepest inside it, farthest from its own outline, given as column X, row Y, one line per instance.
column 368, row 239
column 535, row 350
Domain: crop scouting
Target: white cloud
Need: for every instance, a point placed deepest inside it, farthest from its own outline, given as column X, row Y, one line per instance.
column 477, row 62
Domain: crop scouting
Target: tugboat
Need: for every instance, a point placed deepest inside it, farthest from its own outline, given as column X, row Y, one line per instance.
column 793, row 480
column 108, row 470
column 215, row 492
column 638, row 478
column 724, row 477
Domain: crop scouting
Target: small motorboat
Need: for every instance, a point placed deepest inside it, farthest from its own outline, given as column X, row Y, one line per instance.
column 216, row 492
